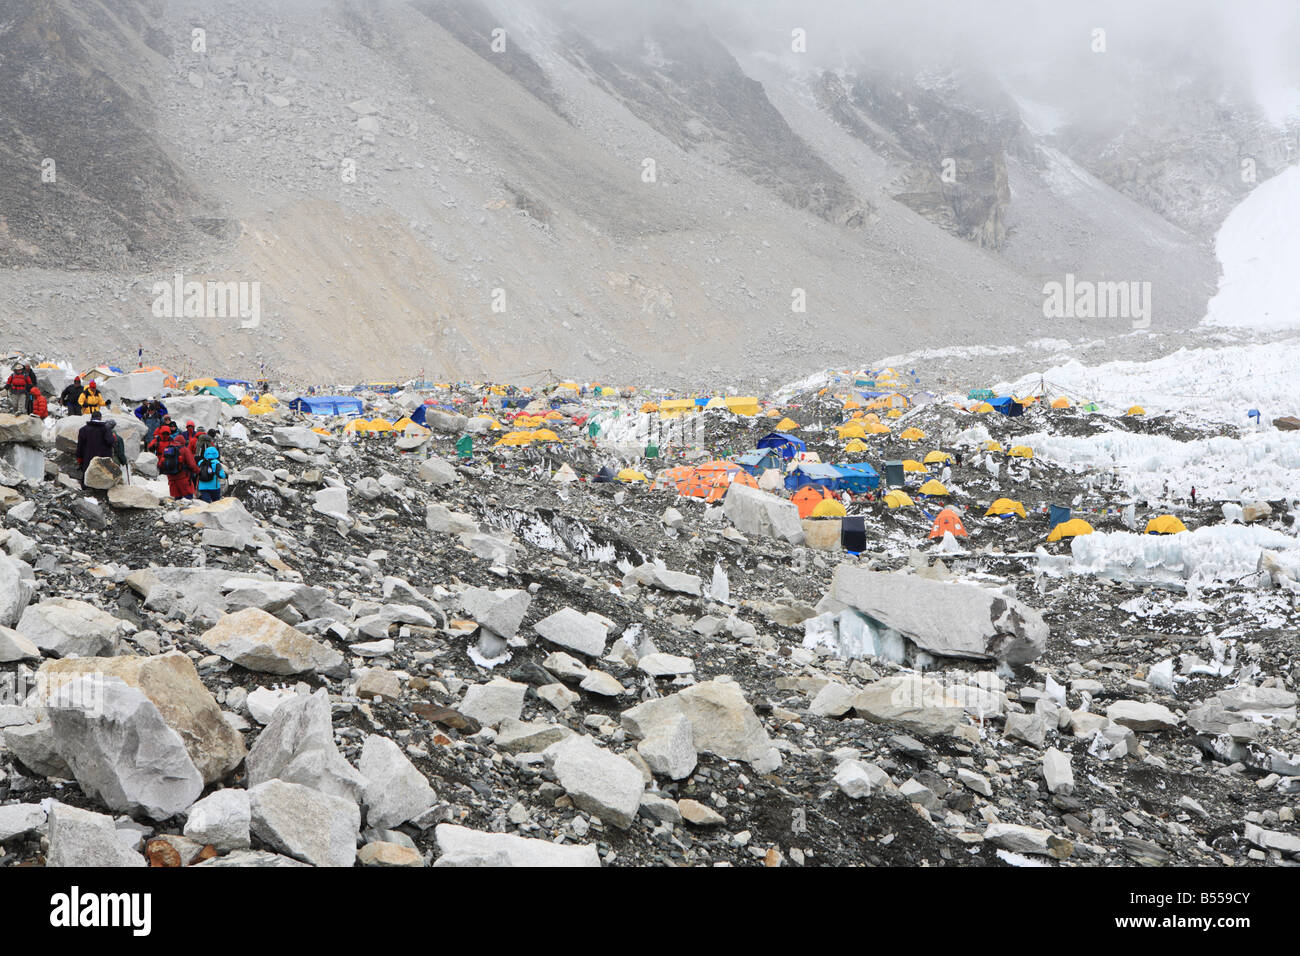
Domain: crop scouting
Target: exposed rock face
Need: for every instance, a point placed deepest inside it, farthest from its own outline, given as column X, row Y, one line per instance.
column 254, row 639
column 304, row 823
column 63, row 627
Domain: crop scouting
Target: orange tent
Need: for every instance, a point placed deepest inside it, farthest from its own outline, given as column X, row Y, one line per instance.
column 807, row 498
column 948, row 520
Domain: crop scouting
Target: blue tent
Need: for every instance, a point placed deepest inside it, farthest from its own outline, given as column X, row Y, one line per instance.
column 702, row 401
column 787, row 446
column 757, row 462
column 326, row 405
column 1007, row 406
column 516, row 401
column 1253, row 413
column 418, row 416
column 858, row 478
column 1056, row 515
column 227, row 382
column 821, row 476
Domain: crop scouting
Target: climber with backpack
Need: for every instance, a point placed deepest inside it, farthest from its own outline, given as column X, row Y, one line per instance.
column 211, row 474
column 18, row 384
column 37, row 404
column 176, row 462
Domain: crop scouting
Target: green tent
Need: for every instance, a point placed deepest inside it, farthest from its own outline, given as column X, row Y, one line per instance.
column 1091, row 407
column 465, row 447
column 651, row 451
column 221, row 393
column 980, row 393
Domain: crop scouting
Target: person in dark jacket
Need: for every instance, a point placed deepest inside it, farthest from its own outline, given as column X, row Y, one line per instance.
column 94, row 440
column 70, row 397
column 151, row 412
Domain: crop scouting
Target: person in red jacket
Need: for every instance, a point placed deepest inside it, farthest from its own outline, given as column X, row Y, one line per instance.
column 18, row 385
column 40, row 407
column 176, row 461
column 191, row 437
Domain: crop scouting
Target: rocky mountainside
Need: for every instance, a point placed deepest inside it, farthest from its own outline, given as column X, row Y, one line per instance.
column 639, row 195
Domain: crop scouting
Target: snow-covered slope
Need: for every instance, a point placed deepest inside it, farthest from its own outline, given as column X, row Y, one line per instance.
column 1259, row 248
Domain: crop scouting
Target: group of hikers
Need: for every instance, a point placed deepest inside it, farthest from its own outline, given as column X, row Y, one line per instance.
column 188, row 457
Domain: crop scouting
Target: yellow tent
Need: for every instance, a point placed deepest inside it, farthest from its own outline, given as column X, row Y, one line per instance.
column 672, row 407
column 715, row 402
column 786, row 424
column 1165, row 524
column 356, row 425
column 856, row 445
column 852, row 404
column 934, row 488
column 631, row 474
column 1020, row 451
column 552, row 416
column 912, row 434
column 1006, row 506
column 269, row 399
column 201, row 383
column 649, row 407
column 380, row 425
column 983, row 408
column 1061, row 402
column 871, row 417
column 1136, row 410
column 898, row 499
column 852, row 430
column 875, row 428
column 893, row 413
column 937, row 457
column 514, row 439
column 1070, row 529
column 773, row 413
column 401, row 423
column 257, row 408
column 913, row 466
column 545, row 434
column 321, row 431
column 992, row 446
column 829, row 508
column 746, row 405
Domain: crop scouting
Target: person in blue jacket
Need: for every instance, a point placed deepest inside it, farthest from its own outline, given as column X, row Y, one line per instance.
column 151, row 412
column 211, row 474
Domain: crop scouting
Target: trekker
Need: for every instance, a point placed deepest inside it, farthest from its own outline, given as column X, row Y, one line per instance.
column 70, row 397
column 191, row 436
column 18, row 385
column 161, row 435
column 90, row 400
column 177, row 463
column 39, row 406
column 1193, row 496
column 211, row 474
column 95, row 440
column 151, row 412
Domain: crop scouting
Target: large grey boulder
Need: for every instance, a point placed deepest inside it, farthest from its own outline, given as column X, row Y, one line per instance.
column 132, row 388
column 596, row 780
column 438, row 471
column 491, row 703
column 500, row 611
column 260, row 642
column 722, row 721
column 172, row 684
column 465, row 847
column 653, row 576
column 395, row 790
column 203, row 410
column 917, row 704
column 19, row 818
column 26, row 460
column 574, row 630
column 439, row 518
column 83, row 838
column 298, row 436
column 63, row 627
column 669, row 748
column 16, row 591
column 944, row 618
column 297, row 745
column 332, row 502
column 304, row 823
column 755, row 512
column 445, row 423
column 221, row 819
column 120, row 749
column 192, row 594
column 21, row 430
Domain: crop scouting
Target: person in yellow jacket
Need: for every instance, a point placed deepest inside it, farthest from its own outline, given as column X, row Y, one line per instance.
column 90, row 399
